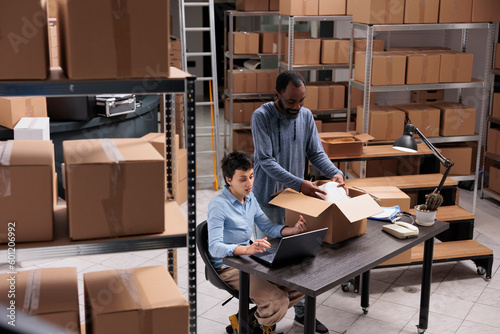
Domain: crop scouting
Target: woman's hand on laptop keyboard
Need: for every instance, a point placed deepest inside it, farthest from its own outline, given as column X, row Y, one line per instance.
column 258, row 246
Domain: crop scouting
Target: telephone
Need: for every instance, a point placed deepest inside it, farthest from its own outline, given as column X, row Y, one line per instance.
column 401, row 230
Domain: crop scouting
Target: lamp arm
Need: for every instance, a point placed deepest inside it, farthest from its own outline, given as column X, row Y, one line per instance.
column 445, row 162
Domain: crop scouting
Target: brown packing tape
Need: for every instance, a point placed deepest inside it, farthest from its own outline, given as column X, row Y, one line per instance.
column 122, row 36
column 307, row 53
column 390, row 124
column 245, row 81
column 304, row 7
column 5, row 155
column 425, row 67
column 421, row 16
column 388, row 79
column 246, row 38
column 113, row 205
column 455, row 10
column 32, row 292
column 425, row 118
column 30, row 108
column 455, row 68
column 143, row 304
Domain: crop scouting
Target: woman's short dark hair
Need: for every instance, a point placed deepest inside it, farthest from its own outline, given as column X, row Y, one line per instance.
column 286, row 77
column 233, row 161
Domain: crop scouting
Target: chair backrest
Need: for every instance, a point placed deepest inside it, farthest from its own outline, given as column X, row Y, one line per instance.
column 210, row 273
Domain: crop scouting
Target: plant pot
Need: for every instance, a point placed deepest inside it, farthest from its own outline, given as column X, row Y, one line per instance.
column 425, row 218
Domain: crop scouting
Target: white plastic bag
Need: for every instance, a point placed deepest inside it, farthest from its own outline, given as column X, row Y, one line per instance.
column 334, row 193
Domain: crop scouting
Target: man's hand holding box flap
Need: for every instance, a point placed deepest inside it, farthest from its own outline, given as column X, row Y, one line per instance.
column 344, row 219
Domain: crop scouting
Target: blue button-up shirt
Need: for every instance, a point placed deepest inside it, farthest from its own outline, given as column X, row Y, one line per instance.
column 230, row 224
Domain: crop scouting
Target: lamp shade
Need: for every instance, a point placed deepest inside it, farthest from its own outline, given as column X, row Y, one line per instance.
column 406, row 142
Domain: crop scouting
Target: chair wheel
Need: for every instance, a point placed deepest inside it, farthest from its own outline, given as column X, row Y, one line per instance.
column 229, row 329
column 481, row 270
column 346, row 286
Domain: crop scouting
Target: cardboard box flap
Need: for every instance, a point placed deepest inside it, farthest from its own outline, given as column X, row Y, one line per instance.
column 364, row 137
column 292, row 200
column 27, row 152
column 383, row 192
column 359, row 207
column 103, row 151
column 335, row 135
column 55, row 280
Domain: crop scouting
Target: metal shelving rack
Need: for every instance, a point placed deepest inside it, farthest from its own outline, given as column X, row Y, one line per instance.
column 229, row 57
column 484, row 84
column 178, row 82
column 290, row 65
column 488, row 155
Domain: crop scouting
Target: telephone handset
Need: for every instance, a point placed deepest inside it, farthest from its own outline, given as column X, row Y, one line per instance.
column 401, row 230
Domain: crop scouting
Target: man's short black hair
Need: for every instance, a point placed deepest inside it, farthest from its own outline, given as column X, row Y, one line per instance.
column 233, row 161
column 286, row 77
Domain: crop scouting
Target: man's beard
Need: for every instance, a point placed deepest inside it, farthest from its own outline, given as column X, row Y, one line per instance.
column 286, row 111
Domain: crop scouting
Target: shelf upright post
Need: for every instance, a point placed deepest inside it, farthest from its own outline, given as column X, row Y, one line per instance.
column 463, row 48
column 191, row 201
column 351, row 77
column 231, row 78
column 367, row 88
column 487, row 87
column 280, row 19
column 291, row 42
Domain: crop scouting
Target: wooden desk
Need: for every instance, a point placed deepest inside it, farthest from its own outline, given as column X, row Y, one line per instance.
column 378, row 152
column 333, row 266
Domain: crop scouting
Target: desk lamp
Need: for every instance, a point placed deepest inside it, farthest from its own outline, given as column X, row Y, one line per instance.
column 407, row 143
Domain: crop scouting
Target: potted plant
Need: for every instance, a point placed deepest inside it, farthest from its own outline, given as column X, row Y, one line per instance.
column 426, row 213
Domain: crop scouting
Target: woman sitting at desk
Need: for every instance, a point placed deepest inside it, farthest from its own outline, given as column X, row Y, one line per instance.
column 231, row 216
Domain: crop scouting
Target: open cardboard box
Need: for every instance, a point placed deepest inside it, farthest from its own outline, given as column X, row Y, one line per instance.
column 351, row 148
column 344, row 219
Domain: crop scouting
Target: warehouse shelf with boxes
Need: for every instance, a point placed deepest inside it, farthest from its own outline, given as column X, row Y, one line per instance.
column 100, row 214
column 443, row 122
column 491, row 158
column 245, row 89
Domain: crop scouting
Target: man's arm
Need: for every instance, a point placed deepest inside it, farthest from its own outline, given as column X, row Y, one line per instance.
column 264, row 149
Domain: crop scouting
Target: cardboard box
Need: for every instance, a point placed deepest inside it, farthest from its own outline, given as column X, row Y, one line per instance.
column 461, row 156
column 456, row 119
column 497, row 57
column 494, row 183
column 378, row 11
column 266, row 81
column 425, row 11
column 337, row 126
column 268, row 42
column 32, row 128
column 357, row 96
column 485, row 11
column 331, row 96
column 299, row 7
column 455, row 67
column 344, row 219
column 246, row 43
column 384, row 122
column 114, row 187
column 332, row 7
column 493, row 141
column 181, row 164
column 422, row 68
column 425, row 117
column 12, row 109
column 318, row 124
column 312, row 95
column 242, row 111
column 24, row 48
column 306, row 51
column 351, row 148
column 181, row 191
column 350, row 5
column 27, row 192
column 388, row 196
column 376, row 168
column 252, row 5
column 242, row 140
column 50, row 294
column 274, row 5
column 495, row 108
column 139, row 300
column 427, row 96
column 455, row 11
column 360, row 45
column 334, row 51
column 115, row 44
column 244, row 81
column 388, row 68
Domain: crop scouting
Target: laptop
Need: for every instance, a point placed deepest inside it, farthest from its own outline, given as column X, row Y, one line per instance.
column 291, row 249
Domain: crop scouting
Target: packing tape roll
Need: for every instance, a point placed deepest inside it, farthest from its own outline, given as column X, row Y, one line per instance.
column 122, row 37
column 32, row 293
column 145, row 317
column 113, row 205
column 5, row 155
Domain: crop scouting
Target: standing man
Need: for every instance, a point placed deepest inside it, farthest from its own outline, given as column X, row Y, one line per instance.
column 284, row 134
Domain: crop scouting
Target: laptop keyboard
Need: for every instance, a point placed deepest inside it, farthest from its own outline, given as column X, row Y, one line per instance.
column 268, row 257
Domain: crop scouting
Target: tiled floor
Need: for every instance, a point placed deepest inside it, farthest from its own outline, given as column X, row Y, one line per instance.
column 462, row 302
